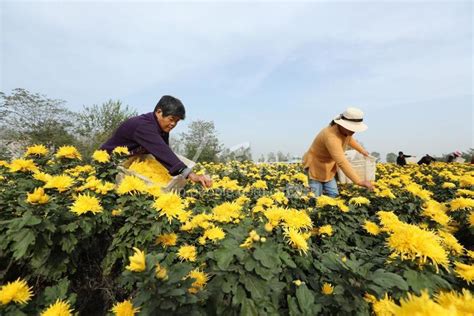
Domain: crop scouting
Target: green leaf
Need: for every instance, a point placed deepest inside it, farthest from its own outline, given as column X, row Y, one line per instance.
column 388, row 280
column 68, row 243
column 250, row 264
column 256, row 286
column 58, row 291
column 263, row 272
column 285, row 257
column 248, row 308
column 223, row 257
column 266, row 256
column 239, row 296
column 293, row 306
column 305, row 299
column 22, row 240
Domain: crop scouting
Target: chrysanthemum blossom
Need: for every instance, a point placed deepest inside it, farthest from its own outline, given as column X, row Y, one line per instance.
column 59, row 308
column 17, row 291
column 68, row 152
column 101, row 156
column 84, row 203
column 36, row 150
column 125, row 308
column 187, row 253
column 137, row 261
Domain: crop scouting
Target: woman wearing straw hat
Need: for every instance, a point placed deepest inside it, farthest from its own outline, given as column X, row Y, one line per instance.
column 326, row 153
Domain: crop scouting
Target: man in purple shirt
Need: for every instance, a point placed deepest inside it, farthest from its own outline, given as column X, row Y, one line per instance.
column 149, row 134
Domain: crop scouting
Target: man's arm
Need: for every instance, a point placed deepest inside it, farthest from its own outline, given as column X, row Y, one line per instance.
column 147, row 137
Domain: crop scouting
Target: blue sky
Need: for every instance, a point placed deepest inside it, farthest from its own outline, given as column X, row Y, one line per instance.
column 271, row 73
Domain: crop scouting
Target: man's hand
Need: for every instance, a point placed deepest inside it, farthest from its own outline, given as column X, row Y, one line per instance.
column 365, row 153
column 204, row 180
column 366, row 184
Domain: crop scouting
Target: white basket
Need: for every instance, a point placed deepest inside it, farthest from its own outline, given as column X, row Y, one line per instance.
column 363, row 167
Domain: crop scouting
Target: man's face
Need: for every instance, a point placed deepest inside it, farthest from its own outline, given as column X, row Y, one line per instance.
column 167, row 123
column 344, row 131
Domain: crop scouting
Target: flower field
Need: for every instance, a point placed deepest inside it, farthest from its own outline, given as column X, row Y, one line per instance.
column 257, row 243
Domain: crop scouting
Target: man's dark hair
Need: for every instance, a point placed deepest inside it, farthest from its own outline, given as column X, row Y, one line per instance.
column 171, row 106
column 400, row 153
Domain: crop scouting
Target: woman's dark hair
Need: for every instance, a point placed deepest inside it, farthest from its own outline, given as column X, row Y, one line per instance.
column 171, row 106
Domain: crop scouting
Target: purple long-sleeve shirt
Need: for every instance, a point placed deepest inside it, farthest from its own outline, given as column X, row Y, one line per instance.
column 142, row 134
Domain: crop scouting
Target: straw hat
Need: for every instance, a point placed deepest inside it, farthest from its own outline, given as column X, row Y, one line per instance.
column 351, row 119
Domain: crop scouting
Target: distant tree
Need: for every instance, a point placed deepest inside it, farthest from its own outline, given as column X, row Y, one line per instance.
column 176, row 145
column 200, row 141
column 271, row 157
column 97, row 123
column 28, row 118
column 261, row 159
column 283, row 157
column 391, row 157
column 376, row 155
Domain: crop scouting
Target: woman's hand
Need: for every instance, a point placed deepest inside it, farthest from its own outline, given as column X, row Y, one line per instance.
column 204, row 180
column 366, row 184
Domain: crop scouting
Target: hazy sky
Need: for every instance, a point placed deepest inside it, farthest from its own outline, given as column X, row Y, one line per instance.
column 269, row 73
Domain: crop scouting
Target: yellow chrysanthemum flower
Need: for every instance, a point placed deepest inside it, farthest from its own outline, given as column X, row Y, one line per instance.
column 448, row 185
column 23, row 165
column 61, row 183
column 37, row 197
column 371, row 228
column 200, row 278
column 471, row 218
column 296, row 239
column 214, row 234
column 280, row 198
column 167, row 240
column 36, row 150
column 170, row 205
column 260, row 184
column 137, row 261
column 187, row 253
column 101, row 156
column 325, row 230
column 384, row 307
column 327, row 289
column 462, row 204
column 84, row 203
column 121, row 150
column 297, row 219
column 358, row 201
column 17, row 291
column 463, row 302
column 421, row 305
column 437, row 212
column 41, row 176
column 68, row 152
column 451, row 242
column 59, row 308
column 161, row 272
column 125, row 308
column 417, row 190
column 413, row 243
column 131, row 185
column 465, row 271
column 226, row 212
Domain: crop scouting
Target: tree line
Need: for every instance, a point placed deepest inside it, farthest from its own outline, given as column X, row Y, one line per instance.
column 28, row 118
